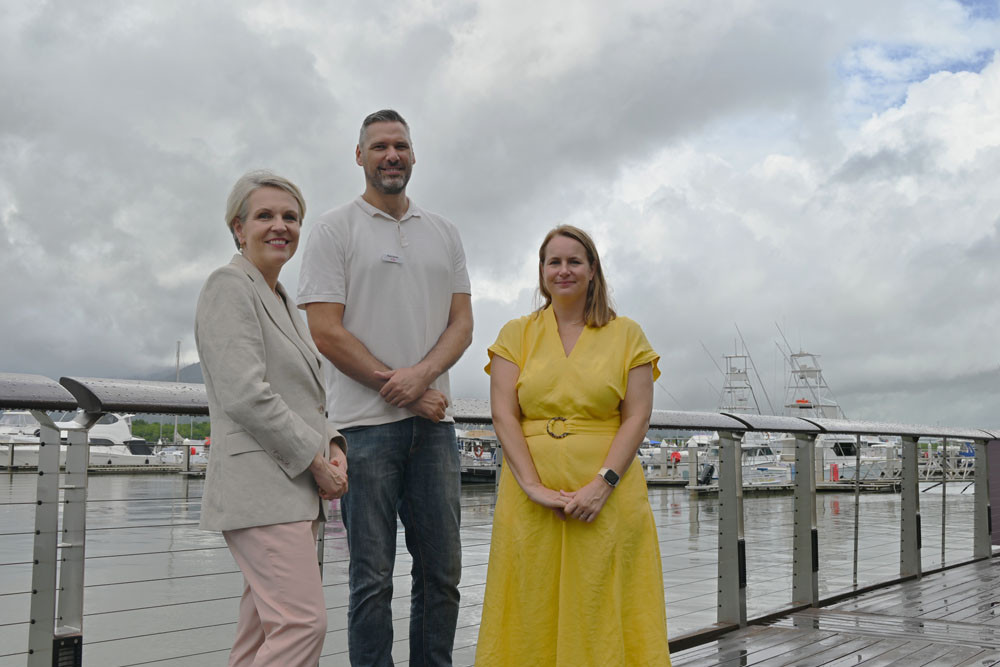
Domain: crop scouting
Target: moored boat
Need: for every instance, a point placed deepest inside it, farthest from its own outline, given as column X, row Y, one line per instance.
column 111, row 441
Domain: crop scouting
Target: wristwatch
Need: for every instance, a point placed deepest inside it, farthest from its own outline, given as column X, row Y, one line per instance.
column 609, row 476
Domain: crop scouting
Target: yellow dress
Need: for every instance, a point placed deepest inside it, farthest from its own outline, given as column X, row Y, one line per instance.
column 568, row 593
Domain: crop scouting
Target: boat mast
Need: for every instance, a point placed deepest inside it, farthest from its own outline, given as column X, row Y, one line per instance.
column 177, row 378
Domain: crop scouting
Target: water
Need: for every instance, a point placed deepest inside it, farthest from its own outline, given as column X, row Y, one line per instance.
column 161, row 591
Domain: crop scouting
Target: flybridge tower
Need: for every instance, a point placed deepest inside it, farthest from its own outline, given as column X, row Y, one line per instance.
column 737, row 392
column 807, row 393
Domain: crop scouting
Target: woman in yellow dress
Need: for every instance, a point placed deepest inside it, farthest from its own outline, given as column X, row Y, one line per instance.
column 574, row 575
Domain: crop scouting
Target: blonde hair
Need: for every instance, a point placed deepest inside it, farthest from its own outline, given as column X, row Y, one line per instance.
column 238, row 203
column 597, row 311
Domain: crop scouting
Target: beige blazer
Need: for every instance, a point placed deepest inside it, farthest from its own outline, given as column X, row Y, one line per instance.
column 264, row 380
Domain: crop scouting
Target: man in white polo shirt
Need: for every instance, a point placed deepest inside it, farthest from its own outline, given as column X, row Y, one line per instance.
column 386, row 292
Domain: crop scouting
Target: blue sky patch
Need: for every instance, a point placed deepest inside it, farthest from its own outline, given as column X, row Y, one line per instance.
column 981, row 9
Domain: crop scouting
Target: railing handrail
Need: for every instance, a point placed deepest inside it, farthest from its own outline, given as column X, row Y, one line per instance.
column 23, row 391
column 108, row 395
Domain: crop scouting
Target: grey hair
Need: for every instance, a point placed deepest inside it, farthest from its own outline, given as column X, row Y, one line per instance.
column 382, row 116
column 238, row 204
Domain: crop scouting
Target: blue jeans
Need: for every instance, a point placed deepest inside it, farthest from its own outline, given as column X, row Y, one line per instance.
column 409, row 467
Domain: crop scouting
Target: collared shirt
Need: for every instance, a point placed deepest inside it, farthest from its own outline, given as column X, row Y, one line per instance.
column 396, row 280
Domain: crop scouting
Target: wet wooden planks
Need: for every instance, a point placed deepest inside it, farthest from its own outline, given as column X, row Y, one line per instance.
column 948, row 619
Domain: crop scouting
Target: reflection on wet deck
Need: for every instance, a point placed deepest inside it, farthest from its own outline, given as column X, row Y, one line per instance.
column 944, row 619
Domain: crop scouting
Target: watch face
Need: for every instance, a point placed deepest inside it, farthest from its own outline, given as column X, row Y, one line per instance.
column 612, row 477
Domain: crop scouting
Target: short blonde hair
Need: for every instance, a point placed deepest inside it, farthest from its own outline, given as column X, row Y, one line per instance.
column 238, row 203
column 598, row 310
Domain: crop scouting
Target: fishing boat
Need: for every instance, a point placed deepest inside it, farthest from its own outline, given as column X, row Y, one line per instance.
column 111, row 441
column 807, row 394
column 760, row 459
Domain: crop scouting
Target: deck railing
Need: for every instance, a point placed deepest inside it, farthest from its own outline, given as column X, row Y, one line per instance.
column 55, row 633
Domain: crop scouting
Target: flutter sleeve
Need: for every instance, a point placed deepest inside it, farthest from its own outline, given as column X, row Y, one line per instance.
column 639, row 351
column 509, row 344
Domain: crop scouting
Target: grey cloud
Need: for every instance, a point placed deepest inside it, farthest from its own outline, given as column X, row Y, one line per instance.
column 886, row 162
column 129, row 123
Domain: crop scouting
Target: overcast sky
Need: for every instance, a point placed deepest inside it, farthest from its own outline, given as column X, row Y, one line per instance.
column 829, row 167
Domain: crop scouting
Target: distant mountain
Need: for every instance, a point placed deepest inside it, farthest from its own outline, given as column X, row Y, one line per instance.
column 190, row 373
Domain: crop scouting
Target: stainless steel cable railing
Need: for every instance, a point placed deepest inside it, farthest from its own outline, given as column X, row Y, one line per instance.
column 159, row 591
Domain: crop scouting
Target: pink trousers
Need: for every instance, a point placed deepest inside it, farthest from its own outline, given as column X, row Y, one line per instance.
column 282, row 612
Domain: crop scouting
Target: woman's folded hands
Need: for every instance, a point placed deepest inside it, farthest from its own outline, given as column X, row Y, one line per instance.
column 330, row 475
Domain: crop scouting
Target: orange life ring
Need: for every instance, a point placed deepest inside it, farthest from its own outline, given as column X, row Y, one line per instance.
column 675, row 457
column 478, row 451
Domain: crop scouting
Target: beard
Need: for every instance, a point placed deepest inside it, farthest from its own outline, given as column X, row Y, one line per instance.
column 389, row 185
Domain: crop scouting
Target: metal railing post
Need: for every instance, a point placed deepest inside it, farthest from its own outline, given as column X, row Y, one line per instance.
column 944, row 498
column 857, row 512
column 909, row 533
column 819, row 462
column 692, row 466
column 732, row 592
column 982, row 535
column 72, row 547
column 805, row 551
column 44, row 553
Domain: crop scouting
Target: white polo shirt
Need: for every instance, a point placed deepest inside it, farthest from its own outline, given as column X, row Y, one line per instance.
column 396, row 280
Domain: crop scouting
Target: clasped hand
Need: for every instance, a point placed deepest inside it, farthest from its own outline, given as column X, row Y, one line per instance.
column 330, row 475
column 402, row 384
column 584, row 504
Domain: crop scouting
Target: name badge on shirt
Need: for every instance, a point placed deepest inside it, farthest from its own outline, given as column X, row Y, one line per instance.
column 391, row 258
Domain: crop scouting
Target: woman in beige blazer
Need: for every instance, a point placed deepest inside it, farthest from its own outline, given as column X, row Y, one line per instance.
column 274, row 457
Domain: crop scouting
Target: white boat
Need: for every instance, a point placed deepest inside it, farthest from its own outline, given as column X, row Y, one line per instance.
column 770, row 458
column 478, row 454
column 111, row 441
column 760, row 462
column 760, row 459
column 807, row 394
column 17, row 423
column 173, row 455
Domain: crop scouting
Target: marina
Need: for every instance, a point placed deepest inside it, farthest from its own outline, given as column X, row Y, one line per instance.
column 160, row 591
column 117, row 564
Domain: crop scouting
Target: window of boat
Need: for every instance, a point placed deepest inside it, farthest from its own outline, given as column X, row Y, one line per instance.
column 108, row 419
column 18, row 419
column 845, row 449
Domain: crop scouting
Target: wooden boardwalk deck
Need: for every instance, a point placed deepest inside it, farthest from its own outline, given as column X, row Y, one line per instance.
column 945, row 619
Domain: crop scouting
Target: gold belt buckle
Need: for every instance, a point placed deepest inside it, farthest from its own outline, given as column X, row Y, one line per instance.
column 548, row 427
